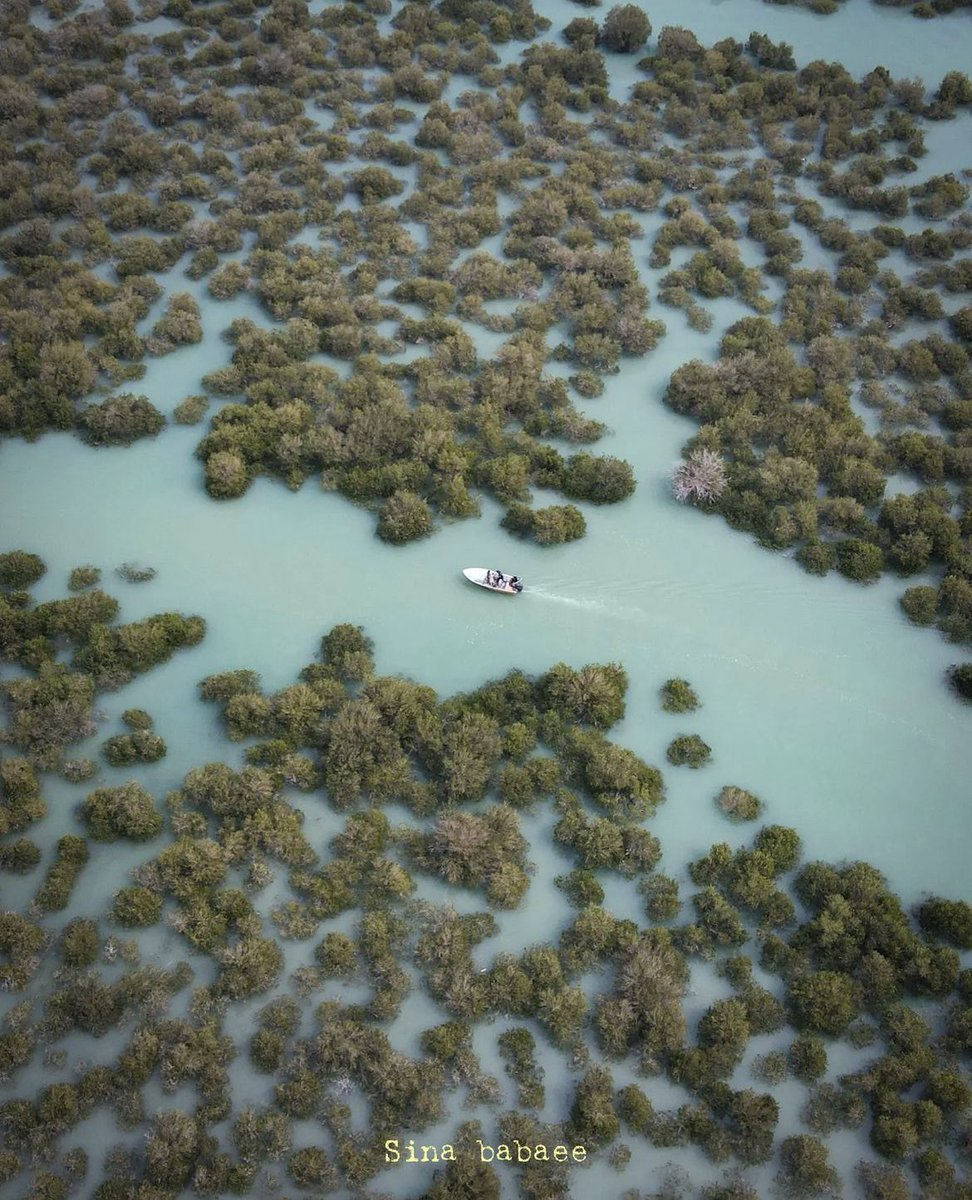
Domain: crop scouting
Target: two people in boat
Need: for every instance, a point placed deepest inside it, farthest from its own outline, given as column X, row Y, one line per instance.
column 499, row 580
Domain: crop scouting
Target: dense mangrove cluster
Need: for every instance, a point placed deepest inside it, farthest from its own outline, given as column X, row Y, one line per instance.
column 217, row 143
column 787, row 448
column 327, row 165
column 369, row 844
column 69, row 650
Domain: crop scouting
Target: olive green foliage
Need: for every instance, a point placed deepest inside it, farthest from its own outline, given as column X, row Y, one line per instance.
column 228, row 684
column 80, row 943
column 126, row 748
column 401, row 460
column 688, row 750
column 79, row 770
column 805, row 1168
column 222, row 122
column 113, row 655
column 83, row 577
column 625, row 28
column 581, row 887
column 771, row 1068
column 677, row 695
column 136, row 907
column 191, row 410
column 593, row 1120
column 960, row 677
column 120, row 421
column 825, row 1002
column 592, row 696
column 547, row 526
column 920, row 604
column 55, row 892
column 52, row 707
column 950, row 920
column 20, row 856
column 137, row 719
column 879, row 1182
column 662, row 901
column 16, row 1050
column 374, row 184
column 132, row 573
column 807, row 1058
column 620, row 783
column 127, row 811
column 831, row 1106
column 228, row 281
column 227, row 475
column 478, row 851
column 517, row 1045
column 779, row 461
column 644, row 1012
column 178, row 326
column 337, row 955
column 600, row 480
column 347, row 653
column 310, row 1167
column 148, row 179
column 382, row 740
column 404, row 517
column 20, row 943
column 859, row 560
column 20, row 569
column 21, row 803
column 738, row 804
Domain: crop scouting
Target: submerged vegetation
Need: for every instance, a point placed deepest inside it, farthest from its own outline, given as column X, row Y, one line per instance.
column 403, row 787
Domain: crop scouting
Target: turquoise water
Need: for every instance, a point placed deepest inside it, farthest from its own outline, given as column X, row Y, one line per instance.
column 817, row 694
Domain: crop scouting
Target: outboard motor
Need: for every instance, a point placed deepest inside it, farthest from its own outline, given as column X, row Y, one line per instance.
column 517, row 585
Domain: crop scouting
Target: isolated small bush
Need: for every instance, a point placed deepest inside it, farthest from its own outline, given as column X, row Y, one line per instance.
column 738, row 804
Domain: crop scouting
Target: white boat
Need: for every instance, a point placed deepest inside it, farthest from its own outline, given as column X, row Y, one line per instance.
column 510, row 585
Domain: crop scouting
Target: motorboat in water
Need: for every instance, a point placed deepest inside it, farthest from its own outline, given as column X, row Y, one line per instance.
column 495, row 581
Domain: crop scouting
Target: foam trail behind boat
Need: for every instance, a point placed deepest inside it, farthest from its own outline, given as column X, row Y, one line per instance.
column 587, row 603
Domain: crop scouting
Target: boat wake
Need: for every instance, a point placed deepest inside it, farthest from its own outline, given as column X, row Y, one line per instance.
column 560, row 598
column 608, row 606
